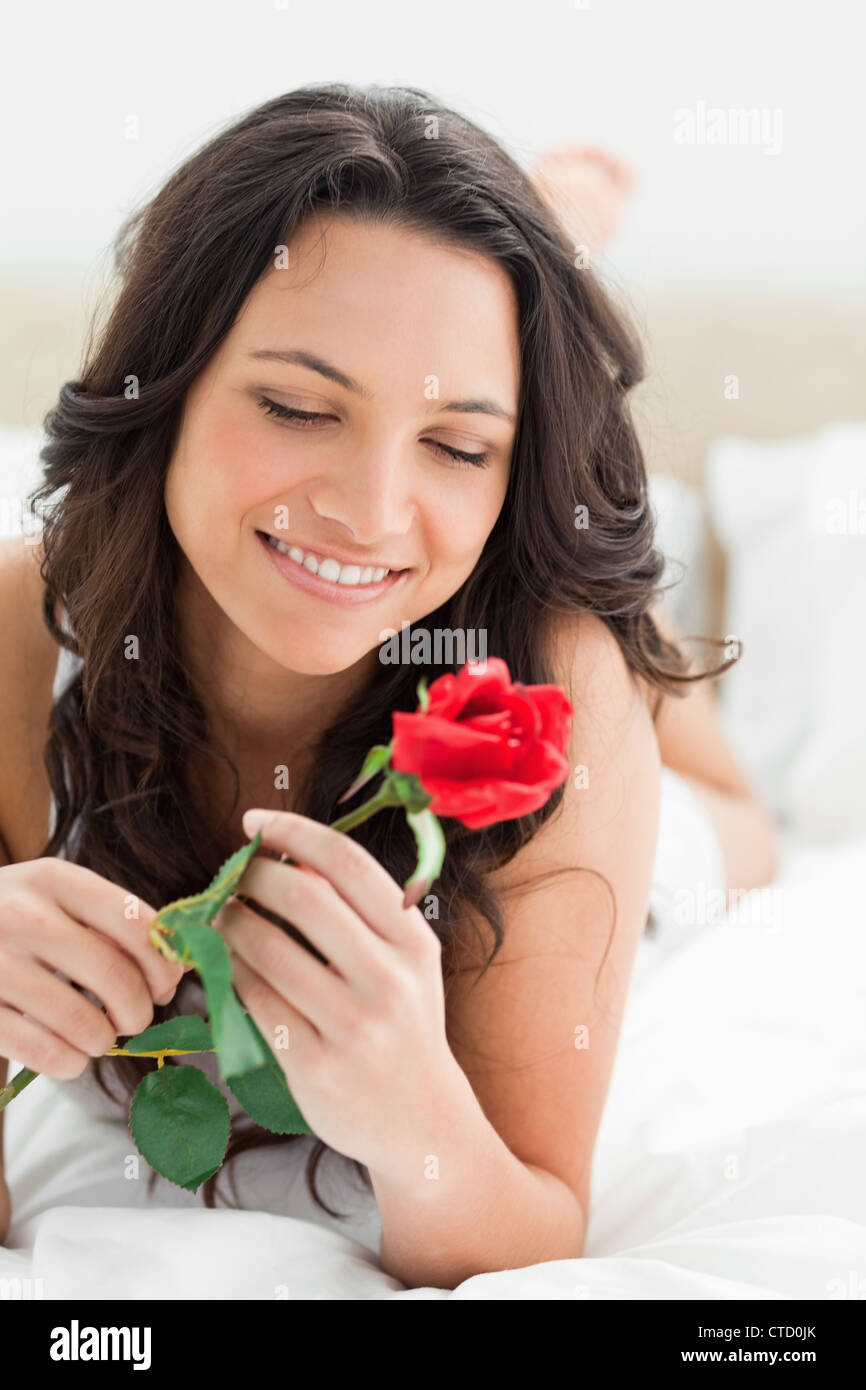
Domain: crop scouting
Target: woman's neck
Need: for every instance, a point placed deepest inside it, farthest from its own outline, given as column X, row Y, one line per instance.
column 253, row 704
column 269, row 720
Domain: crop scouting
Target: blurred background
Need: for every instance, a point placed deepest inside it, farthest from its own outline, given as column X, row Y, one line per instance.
column 737, row 249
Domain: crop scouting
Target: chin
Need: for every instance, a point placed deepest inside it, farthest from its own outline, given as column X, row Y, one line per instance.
column 312, row 652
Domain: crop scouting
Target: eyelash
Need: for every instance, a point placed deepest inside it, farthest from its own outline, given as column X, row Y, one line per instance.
column 307, row 416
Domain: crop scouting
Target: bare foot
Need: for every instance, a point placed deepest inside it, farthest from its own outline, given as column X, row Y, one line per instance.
column 586, row 188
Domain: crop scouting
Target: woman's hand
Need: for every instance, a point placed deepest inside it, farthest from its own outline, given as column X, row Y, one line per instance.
column 367, row 1058
column 56, row 916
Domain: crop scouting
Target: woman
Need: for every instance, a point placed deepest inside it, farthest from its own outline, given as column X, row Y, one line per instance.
column 352, row 379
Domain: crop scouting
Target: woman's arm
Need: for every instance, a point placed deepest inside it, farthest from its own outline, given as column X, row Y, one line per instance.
column 692, row 743
column 536, row 1035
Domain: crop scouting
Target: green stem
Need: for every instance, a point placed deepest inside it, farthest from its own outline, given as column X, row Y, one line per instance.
column 23, row 1078
column 25, row 1075
column 160, row 1052
column 362, row 813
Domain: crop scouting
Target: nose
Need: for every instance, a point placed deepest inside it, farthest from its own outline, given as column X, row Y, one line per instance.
column 369, row 495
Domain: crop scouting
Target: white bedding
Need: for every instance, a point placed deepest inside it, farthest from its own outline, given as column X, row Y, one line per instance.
column 729, row 1163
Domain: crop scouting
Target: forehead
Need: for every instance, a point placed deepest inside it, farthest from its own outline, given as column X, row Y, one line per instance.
column 388, row 303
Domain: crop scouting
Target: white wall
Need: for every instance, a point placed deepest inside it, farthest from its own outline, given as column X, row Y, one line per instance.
column 612, row 72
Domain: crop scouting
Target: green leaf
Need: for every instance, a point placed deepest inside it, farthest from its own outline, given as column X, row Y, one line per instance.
column 201, row 907
column 181, row 930
column 266, row 1098
column 431, row 853
column 229, row 876
column 181, row 1124
column 186, row 1033
column 423, row 694
column 238, row 1048
column 376, row 759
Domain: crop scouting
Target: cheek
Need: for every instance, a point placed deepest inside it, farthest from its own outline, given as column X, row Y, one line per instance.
column 226, row 465
column 459, row 527
column 455, row 533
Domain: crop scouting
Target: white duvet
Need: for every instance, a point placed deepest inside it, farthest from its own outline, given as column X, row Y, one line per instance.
column 730, row 1161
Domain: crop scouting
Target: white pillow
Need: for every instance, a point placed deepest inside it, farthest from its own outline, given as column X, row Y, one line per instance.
column 681, row 536
column 788, row 514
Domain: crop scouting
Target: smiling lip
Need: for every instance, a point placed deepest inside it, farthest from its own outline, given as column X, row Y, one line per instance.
column 348, row 595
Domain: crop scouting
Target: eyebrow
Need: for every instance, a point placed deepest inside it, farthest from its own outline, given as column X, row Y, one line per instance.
column 297, row 357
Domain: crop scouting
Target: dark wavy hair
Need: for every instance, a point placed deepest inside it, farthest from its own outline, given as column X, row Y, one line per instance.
column 123, row 735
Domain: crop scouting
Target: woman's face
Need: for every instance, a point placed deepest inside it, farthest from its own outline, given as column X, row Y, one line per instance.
column 401, row 350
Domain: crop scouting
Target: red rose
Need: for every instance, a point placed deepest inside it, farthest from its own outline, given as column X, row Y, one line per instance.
column 486, row 749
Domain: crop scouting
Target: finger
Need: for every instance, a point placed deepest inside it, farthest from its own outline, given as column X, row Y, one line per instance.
column 105, row 907
column 359, row 878
column 280, row 1022
column 311, row 904
column 315, row 990
column 34, row 991
column 91, row 960
column 39, row 1049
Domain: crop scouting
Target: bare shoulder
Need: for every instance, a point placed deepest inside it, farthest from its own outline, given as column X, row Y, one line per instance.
column 28, row 642
column 612, row 716
column 26, row 694
column 590, row 665
column 613, row 731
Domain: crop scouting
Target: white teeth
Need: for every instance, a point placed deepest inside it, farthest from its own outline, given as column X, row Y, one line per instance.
column 329, row 569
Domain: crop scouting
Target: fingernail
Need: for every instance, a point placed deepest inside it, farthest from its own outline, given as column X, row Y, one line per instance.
column 255, row 820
